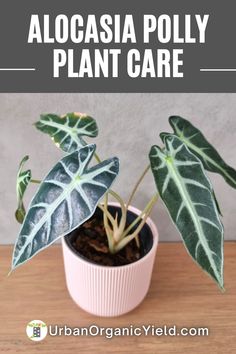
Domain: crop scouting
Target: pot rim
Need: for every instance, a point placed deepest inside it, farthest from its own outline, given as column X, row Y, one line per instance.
column 155, row 236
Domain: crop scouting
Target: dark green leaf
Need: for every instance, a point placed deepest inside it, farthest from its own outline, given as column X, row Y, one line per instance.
column 198, row 144
column 66, row 198
column 68, row 131
column 188, row 196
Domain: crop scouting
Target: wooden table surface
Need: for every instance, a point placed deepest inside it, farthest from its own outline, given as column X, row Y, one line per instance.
column 180, row 295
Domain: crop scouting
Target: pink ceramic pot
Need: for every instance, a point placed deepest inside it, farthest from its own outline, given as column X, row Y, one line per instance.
column 109, row 291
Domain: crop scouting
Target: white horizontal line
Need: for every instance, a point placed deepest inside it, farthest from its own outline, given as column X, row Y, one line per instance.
column 218, row 70
column 17, row 69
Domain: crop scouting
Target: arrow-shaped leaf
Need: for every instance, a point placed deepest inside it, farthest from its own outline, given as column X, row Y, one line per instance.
column 67, row 131
column 22, row 181
column 198, row 144
column 187, row 194
column 66, row 198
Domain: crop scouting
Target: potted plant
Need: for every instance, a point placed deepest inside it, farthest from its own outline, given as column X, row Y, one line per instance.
column 109, row 249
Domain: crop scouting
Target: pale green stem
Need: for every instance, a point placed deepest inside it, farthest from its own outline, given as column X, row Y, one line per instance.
column 129, row 238
column 110, row 217
column 137, row 185
column 35, row 181
column 122, row 223
column 146, row 210
column 109, row 232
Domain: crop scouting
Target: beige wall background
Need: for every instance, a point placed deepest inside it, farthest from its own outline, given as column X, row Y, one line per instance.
column 129, row 124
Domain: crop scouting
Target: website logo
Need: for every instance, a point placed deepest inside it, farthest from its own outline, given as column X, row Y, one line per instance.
column 36, row 330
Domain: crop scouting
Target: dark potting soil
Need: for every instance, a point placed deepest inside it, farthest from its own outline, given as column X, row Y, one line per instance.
column 90, row 241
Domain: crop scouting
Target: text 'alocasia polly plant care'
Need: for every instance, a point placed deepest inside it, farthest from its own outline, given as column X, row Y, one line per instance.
column 75, row 189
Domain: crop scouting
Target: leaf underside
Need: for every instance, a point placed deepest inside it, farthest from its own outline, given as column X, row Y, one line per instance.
column 22, row 181
column 198, row 144
column 66, row 198
column 68, row 131
column 188, row 196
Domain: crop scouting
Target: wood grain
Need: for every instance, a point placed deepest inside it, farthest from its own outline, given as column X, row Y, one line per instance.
column 180, row 294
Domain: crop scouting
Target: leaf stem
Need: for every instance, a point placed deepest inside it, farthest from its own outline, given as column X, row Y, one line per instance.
column 137, row 185
column 146, row 210
column 35, row 181
column 120, row 229
column 97, row 157
column 109, row 232
column 109, row 216
column 129, row 238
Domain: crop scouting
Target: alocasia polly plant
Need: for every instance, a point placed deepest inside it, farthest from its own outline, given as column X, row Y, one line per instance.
column 72, row 190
